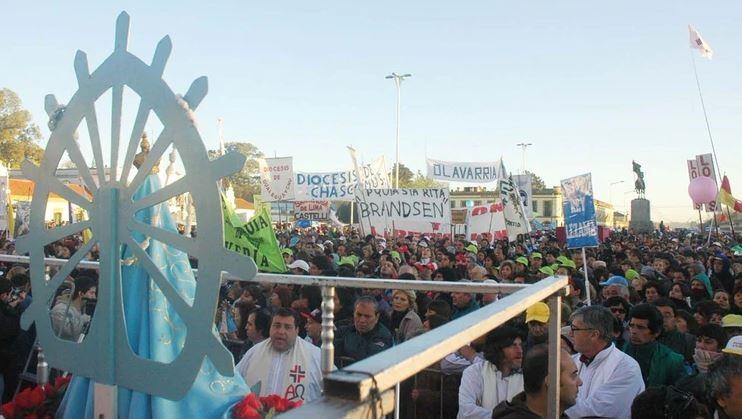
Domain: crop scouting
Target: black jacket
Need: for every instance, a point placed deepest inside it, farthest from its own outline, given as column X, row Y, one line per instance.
column 350, row 343
column 515, row 409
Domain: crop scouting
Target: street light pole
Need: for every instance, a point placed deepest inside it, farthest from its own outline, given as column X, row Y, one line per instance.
column 610, row 190
column 523, row 147
column 397, row 83
column 610, row 198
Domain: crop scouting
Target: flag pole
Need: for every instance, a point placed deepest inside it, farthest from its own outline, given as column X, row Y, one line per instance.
column 587, row 281
column 731, row 224
column 705, row 117
column 700, row 221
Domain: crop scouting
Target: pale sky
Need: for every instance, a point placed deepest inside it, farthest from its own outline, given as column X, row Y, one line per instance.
column 591, row 85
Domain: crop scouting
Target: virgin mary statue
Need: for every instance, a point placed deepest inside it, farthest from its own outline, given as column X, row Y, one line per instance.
column 156, row 332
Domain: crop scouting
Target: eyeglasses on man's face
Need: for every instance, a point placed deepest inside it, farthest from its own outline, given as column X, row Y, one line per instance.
column 573, row 328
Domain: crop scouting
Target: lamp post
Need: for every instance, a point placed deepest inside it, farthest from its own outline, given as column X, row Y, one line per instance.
column 397, row 83
column 610, row 190
column 523, row 147
column 610, row 198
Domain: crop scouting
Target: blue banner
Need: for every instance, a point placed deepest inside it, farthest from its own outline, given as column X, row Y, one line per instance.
column 579, row 211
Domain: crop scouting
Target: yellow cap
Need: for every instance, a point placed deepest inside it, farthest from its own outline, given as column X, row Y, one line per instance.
column 538, row 312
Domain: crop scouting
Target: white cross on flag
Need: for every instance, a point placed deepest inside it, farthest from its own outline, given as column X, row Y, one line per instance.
column 698, row 43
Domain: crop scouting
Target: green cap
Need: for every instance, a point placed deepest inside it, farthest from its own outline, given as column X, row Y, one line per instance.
column 569, row 264
column 522, row 260
column 287, row 252
column 472, row 248
column 631, row 274
column 395, row 255
column 546, row 270
column 562, row 259
column 348, row 260
column 554, row 266
column 536, row 255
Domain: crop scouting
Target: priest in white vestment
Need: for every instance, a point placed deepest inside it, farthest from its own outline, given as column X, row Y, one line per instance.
column 283, row 364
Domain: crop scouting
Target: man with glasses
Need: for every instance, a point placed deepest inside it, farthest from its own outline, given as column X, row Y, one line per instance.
column 659, row 364
column 611, row 379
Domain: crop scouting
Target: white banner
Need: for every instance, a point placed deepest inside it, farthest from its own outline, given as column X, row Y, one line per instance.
column 526, row 193
column 705, row 165
column 486, row 222
column 341, row 185
column 311, row 210
column 480, row 172
column 515, row 218
column 404, row 211
column 22, row 218
column 276, row 179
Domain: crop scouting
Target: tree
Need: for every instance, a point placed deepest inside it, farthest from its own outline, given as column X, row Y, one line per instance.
column 537, row 184
column 421, row 181
column 343, row 212
column 405, row 175
column 246, row 182
column 18, row 135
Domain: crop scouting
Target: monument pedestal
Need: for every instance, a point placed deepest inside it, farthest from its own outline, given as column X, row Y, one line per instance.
column 641, row 220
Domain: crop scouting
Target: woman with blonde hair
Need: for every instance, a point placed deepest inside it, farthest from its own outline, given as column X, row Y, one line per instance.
column 405, row 321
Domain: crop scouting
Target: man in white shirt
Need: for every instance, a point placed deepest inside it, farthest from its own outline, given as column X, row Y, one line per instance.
column 611, row 379
column 488, row 382
column 283, row 364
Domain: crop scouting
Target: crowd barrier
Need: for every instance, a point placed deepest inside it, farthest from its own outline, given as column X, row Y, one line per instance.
column 367, row 388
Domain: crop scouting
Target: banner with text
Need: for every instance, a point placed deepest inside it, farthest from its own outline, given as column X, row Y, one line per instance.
column 486, row 222
column 311, row 210
column 340, row 186
column 525, row 189
column 276, row 179
column 255, row 238
column 579, row 211
column 480, row 172
column 516, row 222
column 703, row 165
column 404, row 211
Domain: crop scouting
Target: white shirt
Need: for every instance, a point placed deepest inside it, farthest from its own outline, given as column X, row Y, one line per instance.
column 454, row 362
column 472, row 387
column 273, row 384
column 609, row 385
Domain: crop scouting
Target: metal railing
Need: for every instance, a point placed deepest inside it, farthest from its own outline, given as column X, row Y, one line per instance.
column 369, row 387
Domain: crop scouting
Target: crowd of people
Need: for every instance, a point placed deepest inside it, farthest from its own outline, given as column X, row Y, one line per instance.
column 656, row 329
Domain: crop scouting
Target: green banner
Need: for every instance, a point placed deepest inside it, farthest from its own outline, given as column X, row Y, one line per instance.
column 254, row 238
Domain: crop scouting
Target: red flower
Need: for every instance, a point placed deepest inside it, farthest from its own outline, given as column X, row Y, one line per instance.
column 49, row 391
column 253, row 401
column 38, row 395
column 61, row 381
column 8, row 410
column 281, row 405
column 247, row 412
column 32, row 416
column 23, row 400
column 248, row 408
column 295, row 404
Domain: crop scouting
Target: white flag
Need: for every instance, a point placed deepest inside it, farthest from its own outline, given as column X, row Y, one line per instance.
column 698, row 43
column 516, row 221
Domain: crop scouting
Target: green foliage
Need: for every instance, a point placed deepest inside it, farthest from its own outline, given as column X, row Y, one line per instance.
column 18, row 135
column 405, row 175
column 422, row 181
column 537, row 184
column 245, row 183
column 343, row 212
